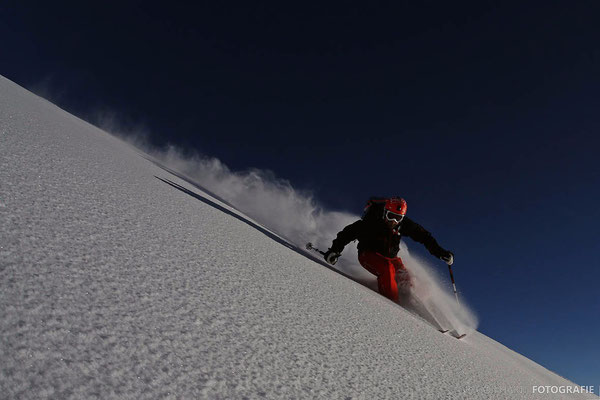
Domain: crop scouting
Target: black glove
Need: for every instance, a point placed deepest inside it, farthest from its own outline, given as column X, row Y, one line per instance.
column 447, row 257
column 331, row 256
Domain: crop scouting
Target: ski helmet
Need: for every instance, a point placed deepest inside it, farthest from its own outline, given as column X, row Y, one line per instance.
column 394, row 209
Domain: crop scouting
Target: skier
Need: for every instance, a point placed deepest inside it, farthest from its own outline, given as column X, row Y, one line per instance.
column 379, row 232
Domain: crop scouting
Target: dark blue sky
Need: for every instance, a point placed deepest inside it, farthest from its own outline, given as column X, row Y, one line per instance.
column 485, row 117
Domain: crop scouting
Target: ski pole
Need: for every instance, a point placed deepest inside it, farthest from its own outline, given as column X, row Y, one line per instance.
column 309, row 246
column 453, row 284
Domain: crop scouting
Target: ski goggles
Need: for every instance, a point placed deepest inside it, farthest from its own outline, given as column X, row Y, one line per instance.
column 390, row 216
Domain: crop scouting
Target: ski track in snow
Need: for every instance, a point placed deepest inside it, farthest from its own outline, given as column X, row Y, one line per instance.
column 117, row 285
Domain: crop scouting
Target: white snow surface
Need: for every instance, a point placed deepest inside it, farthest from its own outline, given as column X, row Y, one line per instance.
column 116, row 284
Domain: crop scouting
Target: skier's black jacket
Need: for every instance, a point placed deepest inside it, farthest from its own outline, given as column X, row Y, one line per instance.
column 377, row 236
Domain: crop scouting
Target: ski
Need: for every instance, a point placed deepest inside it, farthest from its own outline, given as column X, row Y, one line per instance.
column 457, row 335
column 422, row 311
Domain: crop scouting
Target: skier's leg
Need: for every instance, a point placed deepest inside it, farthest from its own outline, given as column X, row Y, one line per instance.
column 404, row 282
column 403, row 277
column 384, row 269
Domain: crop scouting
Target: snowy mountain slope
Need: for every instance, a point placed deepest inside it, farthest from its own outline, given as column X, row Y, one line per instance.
column 117, row 284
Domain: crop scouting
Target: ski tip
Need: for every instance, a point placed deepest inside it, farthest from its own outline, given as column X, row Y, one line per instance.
column 454, row 334
column 457, row 335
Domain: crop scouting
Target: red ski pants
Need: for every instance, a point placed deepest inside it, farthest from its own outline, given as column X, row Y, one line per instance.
column 386, row 270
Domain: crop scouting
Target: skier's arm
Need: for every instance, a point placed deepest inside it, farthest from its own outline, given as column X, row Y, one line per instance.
column 419, row 234
column 347, row 235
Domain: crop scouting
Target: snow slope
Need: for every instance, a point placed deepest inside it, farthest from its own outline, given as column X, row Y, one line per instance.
column 121, row 280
